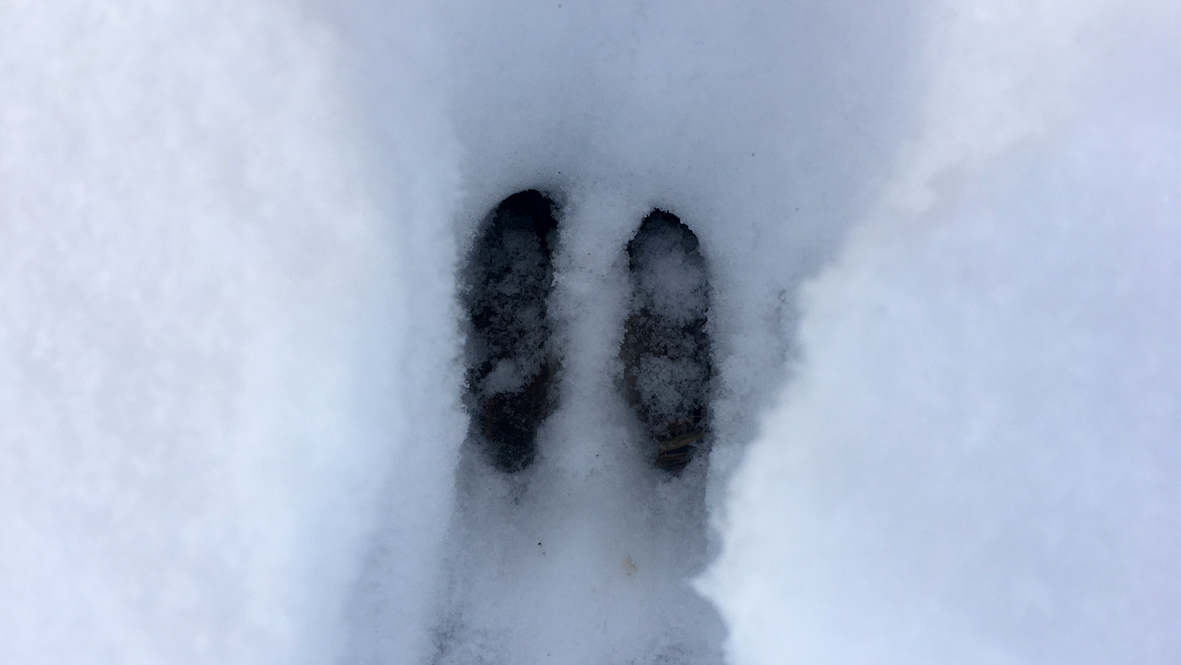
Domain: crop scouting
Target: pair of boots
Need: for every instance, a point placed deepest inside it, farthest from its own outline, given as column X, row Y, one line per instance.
column 512, row 369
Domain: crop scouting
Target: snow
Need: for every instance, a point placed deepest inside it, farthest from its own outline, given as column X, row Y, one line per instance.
column 972, row 463
column 942, row 243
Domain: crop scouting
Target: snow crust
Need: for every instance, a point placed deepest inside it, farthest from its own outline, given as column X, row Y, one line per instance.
column 942, row 241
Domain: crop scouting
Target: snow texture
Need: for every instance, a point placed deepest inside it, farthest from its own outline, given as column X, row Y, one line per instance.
column 976, row 459
column 944, row 255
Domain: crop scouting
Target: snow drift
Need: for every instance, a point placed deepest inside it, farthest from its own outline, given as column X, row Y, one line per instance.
column 942, row 241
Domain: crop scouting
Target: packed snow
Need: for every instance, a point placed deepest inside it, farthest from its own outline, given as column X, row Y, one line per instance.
column 939, row 259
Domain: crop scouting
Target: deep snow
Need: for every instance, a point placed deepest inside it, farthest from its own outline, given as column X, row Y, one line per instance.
column 944, row 263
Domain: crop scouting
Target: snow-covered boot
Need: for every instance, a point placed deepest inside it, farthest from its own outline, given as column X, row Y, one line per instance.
column 666, row 347
column 511, row 368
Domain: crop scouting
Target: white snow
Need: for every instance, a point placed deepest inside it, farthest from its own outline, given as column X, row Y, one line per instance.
column 975, row 462
column 943, row 241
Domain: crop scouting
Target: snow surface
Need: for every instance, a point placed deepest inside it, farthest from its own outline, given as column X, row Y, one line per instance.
column 945, row 258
